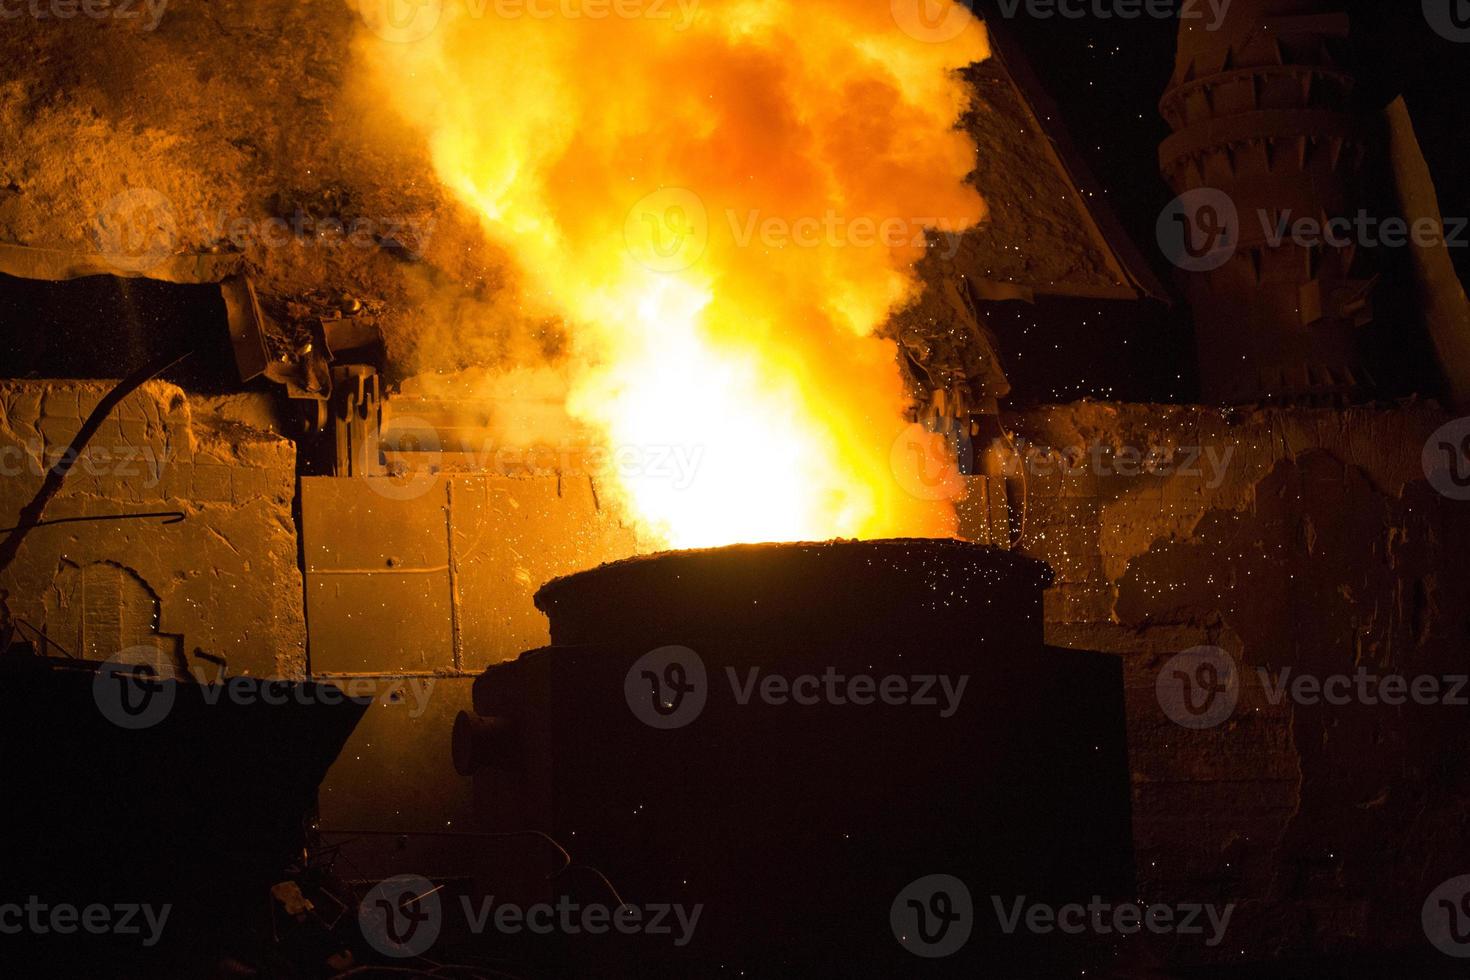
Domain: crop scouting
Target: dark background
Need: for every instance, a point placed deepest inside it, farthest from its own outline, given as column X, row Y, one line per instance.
column 1106, row 76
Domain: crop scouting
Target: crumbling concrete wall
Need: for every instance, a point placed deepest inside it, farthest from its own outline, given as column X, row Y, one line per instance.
column 413, row 586
column 1291, row 538
column 224, row 580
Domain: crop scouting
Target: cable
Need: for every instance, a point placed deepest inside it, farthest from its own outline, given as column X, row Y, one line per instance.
column 174, row 517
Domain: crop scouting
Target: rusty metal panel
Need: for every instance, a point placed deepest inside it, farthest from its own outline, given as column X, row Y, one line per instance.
column 512, row 535
column 395, row 774
column 378, row 590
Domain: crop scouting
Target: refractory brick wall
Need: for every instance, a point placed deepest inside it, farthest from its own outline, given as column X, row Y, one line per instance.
column 1298, row 539
column 224, row 580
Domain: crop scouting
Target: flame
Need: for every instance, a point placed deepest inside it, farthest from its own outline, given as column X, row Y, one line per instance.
column 725, row 199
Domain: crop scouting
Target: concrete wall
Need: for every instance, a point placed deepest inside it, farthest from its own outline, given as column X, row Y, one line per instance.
column 413, row 586
column 225, row 580
column 1302, row 539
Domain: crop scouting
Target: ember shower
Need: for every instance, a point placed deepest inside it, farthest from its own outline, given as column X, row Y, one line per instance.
column 724, row 200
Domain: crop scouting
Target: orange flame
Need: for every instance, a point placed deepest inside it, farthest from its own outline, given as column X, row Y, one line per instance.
column 725, row 199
